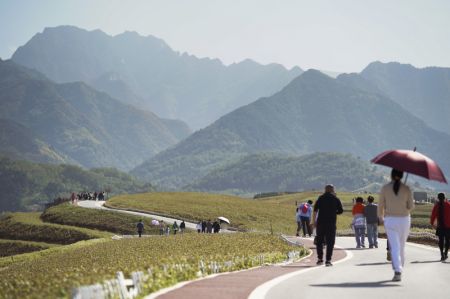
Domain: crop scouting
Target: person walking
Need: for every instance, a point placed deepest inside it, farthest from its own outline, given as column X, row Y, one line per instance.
column 140, row 227
column 304, row 212
column 216, row 227
column 394, row 208
column 175, row 227
column 359, row 222
column 209, row 226
column 182, row 226
column 203, row 226
column 371, row 214
column 328, row 206
column 161, row 228
column 441, row 212
column 199, row 227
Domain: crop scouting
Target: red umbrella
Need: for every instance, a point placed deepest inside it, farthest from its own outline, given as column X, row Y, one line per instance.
column 412, row 162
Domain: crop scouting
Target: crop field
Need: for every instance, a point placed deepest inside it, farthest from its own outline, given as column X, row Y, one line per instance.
column 272, row 213
column 103, row 220
column 30, row 227
column 13, row 247
column 55, row 273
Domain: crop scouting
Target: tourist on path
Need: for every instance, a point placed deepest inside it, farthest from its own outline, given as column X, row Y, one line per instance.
column 441, row 212
column 175, row 227
column 216, row 227
column 394, row 208
column 199, row 227
column 328, row 206
column 182, row 226
column 140, row 227
column 161, row 228
column 359, row 222
column 371, row 214
column 209, row 226
column 304, row 212
column 203, row 226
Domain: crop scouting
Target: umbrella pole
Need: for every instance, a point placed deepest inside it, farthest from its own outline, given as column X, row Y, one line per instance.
column 406, row 178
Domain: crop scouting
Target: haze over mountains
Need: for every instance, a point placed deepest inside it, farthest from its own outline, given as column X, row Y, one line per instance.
column 74, row 123
column 263, row 126
column 314, row 113
column 423, row 92
column 150, row 73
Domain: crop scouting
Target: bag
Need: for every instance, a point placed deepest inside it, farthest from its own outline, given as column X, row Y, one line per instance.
column 305, row 208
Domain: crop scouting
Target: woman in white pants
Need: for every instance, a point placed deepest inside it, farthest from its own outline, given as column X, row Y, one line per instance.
column 394, row 208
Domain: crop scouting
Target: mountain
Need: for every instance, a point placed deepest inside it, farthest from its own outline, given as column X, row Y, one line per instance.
column 173, row 85
column 314, row 113
column 76, row 121
column 19, row 142
column 24, row 184
column 424, row 92
column 268, row 172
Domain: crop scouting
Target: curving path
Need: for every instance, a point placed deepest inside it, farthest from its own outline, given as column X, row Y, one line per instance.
column 92, row 204
column 366, row 274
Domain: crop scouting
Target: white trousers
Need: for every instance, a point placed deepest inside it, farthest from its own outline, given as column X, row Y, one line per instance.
column 397, row 230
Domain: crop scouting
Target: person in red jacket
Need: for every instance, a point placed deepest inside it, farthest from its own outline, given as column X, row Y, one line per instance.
column 441, row 212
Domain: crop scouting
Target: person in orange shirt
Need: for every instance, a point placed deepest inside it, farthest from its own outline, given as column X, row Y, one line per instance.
column 359, row 222
column 441, row 212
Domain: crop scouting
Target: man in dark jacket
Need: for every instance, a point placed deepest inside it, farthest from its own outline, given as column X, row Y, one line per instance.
column 140, row 227
column 371, row 214
column 327, row 206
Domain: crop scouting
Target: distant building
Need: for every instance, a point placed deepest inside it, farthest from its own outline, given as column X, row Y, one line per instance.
column 420, row 196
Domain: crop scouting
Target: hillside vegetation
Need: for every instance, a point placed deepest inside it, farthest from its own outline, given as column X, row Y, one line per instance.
column 24, row 184
column 30, row 227
column 78, row 123
column 103, row 220
column 314, row 113
column 271, row 214
column 274, row 172
column 57, row 272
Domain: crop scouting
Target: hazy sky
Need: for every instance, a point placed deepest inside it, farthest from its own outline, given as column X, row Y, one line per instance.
column 336, row 35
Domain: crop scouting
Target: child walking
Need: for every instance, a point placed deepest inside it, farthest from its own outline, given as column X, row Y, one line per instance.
column 359, row 222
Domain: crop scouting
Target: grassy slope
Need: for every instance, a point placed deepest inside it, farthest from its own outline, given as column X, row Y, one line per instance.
column 29, row 227
column 13, row 247
column 244, row 213
column 53, row 274
column 96, row 219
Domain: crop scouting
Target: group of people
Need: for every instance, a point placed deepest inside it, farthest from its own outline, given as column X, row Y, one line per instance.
column 164, row 229
column 393, row 211
column 208, row 226
column 74, row 198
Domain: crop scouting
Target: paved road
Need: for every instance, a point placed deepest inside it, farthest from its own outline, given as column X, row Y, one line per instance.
column 365, row 274
column 92, row 204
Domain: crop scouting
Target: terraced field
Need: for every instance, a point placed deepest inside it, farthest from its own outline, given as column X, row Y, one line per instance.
column 55, row 273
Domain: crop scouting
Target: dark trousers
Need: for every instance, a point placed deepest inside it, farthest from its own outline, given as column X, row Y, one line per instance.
column 305, row 226
column 325, row 232
column 140, row 233
column 444, row 244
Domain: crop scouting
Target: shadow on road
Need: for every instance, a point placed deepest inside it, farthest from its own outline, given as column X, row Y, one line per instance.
column 426, row 262
column 374, row 264
column 367, row 284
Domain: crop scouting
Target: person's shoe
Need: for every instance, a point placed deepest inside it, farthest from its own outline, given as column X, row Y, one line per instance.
column 397, row 276
column 376, row 245
column 388, row 256
column 363, row 246
column 328, row 264
column 297, row 235
column 358, row 247
column 370, row 246
column 319, row 262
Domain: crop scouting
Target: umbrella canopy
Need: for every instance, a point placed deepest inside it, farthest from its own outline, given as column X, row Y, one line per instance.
column 155, row 222
column 224, row 219
column 412, row 162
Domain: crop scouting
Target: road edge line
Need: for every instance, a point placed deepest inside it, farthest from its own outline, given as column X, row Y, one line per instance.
column 261, row 291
